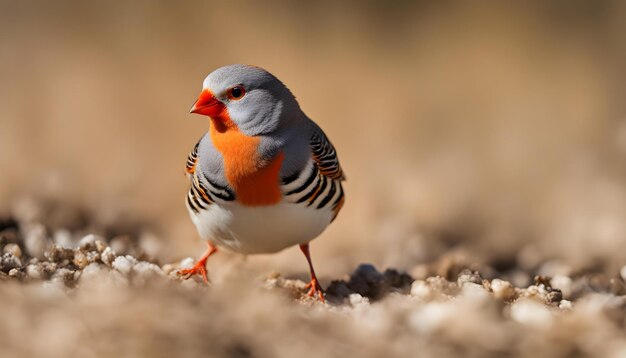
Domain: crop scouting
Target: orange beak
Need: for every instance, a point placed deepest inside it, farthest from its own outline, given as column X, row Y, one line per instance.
column 208, row 105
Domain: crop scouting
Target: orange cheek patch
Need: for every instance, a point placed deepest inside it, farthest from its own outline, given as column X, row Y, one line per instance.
column 255, row 183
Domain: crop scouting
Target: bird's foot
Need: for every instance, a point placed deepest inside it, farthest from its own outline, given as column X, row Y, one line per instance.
column 198, row 269
column 314, row 287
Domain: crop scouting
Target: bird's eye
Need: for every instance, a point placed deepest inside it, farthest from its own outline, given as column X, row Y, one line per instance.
column 236, row 92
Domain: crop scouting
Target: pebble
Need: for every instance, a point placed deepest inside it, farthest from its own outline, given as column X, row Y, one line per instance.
column 35, row 271
column 358, row 300
column 565, row 305
column 186, row 263
column 13, row 249
column 420, row 289
column 468, row 276
column 80, row 259
column 88, row 242
column 503, row 290
column 8, row 262
column 145, row 269
column 124, row 264
column 563, row 283
column 60, row 254
column 108, row 256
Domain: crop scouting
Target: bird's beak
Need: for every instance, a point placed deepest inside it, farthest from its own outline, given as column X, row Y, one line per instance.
column 207, row 105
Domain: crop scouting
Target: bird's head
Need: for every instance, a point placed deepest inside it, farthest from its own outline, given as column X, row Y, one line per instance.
column 247, row 98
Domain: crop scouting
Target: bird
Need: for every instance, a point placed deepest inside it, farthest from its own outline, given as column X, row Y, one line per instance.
column 264, row 177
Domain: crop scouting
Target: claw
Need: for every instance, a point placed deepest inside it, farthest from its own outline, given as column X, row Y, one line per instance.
column 315, row 287
column 200, row 266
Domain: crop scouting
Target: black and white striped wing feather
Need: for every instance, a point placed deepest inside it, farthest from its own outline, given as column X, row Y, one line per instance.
column 318, row 185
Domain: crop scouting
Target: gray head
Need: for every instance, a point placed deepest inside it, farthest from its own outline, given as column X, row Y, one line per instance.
column 248, row 97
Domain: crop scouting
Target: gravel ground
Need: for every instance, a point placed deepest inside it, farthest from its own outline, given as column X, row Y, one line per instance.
column 67, row 293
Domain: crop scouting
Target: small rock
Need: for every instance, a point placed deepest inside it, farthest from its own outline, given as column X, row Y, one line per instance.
column 503, row 290
column 59, row 254
column 420, row 289
column 186, row 263
column 358, row 300
column 563, row 283
column 80, row 259
column 469, row 276
column 15, row 272
column 35, row 272
column 147, row 269
column 565, row 305
column 554, row 296
column 8, row 262
column 337, row 291
column 13, row 249
column 108, row 256
column 100, row 246
column 124, row 264
column 65, row 276
column 88, row 242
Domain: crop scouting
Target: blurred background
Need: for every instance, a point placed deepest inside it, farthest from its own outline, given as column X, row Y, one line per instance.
column 497, row 129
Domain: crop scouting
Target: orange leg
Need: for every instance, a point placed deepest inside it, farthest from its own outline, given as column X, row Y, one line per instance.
column 200, row 266
column 313, row 286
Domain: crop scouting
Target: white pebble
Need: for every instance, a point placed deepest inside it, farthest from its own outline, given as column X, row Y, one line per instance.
column 565, row 305
column 187, row 263
column 357, row 300
column 108, row 256
column 502, row 289
column 420, row 289
column 34, row 271
column 124, row 264
column 13, row 249
column 147, row 268
column 474, row 291
column 563, row 283
column 89, row 241
column 530, row 312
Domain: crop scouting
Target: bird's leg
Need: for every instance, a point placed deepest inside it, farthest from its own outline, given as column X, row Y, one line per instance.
column 313, row 286
column 200, row 266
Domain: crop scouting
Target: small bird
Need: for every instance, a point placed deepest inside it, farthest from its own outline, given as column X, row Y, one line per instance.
column 264, row 177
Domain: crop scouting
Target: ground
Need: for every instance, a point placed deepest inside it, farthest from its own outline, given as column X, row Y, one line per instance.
column 87, row 295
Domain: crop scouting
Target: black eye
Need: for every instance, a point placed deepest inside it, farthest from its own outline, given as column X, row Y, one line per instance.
column 236, row 92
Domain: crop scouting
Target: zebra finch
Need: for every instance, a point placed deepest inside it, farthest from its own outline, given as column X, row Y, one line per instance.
column 264, row 177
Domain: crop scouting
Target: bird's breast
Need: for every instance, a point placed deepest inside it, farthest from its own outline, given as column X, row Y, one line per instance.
column 255, row 182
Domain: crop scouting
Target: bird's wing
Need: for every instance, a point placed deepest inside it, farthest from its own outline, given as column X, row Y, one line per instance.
column 192, row 158
column 325, row 155
column 318, row 184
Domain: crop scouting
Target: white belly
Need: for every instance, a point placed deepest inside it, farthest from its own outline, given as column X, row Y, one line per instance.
column 260, row 229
